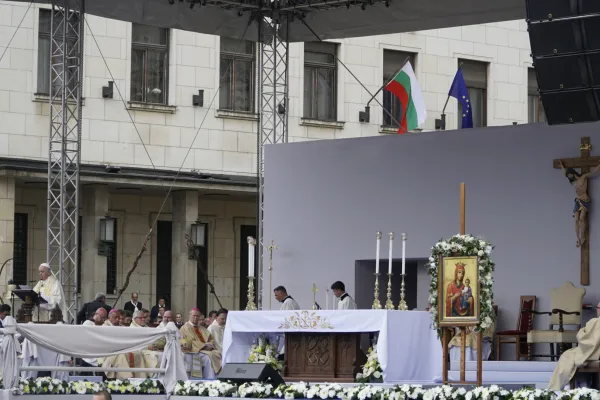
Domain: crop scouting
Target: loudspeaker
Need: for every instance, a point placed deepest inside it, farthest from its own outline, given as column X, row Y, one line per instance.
column 242, row 373
column 565, row 47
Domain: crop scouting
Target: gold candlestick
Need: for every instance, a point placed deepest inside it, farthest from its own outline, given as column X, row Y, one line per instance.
column 376, row 303
column 389, row 305
column 314, row 290
column 402, row 305
column 271, row 247
column 251, row 306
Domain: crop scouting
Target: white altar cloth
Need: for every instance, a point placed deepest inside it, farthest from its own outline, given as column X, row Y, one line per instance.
column 408, row 349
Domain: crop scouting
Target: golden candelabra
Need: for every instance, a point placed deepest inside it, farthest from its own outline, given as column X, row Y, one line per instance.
column 271, row 247
column 376, row 303
column 389, row 305
column 251, row 306
column 402, row 305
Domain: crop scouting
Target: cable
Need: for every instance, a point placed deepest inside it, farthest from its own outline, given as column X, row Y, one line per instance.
column 15, row 32
column 301, row 17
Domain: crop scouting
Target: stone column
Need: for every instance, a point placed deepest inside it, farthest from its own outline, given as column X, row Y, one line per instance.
column 7, row 228
column 183, row 271
column 96, row 201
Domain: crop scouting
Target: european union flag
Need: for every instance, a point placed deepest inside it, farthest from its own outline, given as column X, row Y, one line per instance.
column 459, row 91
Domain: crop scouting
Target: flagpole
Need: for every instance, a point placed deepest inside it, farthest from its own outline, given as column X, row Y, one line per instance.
column 443, row 120
column 389, row 80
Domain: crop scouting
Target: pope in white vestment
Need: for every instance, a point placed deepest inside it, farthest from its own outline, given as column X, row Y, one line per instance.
column 50, row 289
column 588, row 349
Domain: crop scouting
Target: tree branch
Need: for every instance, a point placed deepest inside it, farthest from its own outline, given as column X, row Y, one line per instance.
column 133, row 267
column 192, row 246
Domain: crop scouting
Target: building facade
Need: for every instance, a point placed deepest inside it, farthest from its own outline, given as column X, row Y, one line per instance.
column 134, row 144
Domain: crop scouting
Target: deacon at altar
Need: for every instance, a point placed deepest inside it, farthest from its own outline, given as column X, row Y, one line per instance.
column 50, row 289
column 217, row 328
column 206, row 360
column 346, row 301
column 287, row 302
column 588, row 349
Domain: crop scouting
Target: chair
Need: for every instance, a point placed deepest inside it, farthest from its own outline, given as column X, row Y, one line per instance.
column 566, row 305
column 518, row 337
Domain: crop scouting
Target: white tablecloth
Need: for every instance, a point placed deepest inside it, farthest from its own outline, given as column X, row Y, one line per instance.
column 408, row 349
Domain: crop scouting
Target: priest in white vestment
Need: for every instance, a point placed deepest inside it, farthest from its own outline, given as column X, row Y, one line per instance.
column 588, row 349
column 287, row 302
column 217, row 328
column 50, row 289
column 206, row 359
column 346, row 301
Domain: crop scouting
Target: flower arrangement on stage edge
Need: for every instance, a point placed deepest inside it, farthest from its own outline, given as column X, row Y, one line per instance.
column 371, row 371
column 464, row 246
column 263, row 351
column 300, row 390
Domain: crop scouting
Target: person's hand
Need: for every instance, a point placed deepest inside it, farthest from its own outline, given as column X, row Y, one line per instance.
column 208, row 346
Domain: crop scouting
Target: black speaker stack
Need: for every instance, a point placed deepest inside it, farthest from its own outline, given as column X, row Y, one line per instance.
column 565, row 46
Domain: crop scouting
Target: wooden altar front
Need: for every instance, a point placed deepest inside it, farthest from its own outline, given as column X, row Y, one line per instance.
column 330, row 357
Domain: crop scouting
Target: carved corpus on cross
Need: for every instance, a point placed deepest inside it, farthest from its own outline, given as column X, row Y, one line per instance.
column 580, row 181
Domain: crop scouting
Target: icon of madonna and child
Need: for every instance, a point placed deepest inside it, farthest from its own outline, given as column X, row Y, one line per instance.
column 460, row 289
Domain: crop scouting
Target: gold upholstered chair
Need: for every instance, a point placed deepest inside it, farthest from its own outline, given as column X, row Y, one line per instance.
column 566, row 303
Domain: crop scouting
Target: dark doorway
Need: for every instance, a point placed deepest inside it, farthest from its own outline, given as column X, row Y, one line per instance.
column 202, row 289
column 365, row 274
column 246, row 230
column 164, row 244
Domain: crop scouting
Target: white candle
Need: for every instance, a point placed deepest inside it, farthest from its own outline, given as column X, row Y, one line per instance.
column 377, row 252
column 390, row 257
column 251, row 244
column 404, row 254
column 327, row 299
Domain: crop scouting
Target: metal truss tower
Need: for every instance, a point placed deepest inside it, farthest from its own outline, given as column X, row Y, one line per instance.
column 66, row 77
column 273, row 124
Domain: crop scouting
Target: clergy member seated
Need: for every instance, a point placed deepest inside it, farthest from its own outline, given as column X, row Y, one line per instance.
column 287, row 302
column 346, row 302
column 98, row 319
column 50, row 289
column 114, row 318
column 471, row 348
column 588, row 349
column 206, row 360
column 217, row 328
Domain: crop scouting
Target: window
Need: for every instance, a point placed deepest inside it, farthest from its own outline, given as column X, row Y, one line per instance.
column 45, row 74
column 111, row 264
column 20, row 249
column 535, row 109
column 149, row 64
column 236, row 92
column 393, row 61
column 320, row 77
column 475, row 74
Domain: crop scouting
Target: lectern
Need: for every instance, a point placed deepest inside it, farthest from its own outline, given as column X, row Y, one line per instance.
column 30, row 299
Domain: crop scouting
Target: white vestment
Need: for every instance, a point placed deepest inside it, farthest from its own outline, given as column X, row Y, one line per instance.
column 289, row 304
column 51, row 291
column 588, row 349
column 217, row 332
column 346, row 302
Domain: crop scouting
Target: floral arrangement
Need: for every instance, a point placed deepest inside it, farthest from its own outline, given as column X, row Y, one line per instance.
column 48, row 385
column 371, row 371
column 291, row 391
column 265, row 352
column 255, row 390
column 464, row 246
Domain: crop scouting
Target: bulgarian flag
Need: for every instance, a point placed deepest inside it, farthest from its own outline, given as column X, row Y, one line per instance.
column 406, row 88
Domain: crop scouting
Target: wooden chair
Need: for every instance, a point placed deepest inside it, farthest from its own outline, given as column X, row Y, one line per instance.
column 589, row 367
column 566, row 305
column 518, row 337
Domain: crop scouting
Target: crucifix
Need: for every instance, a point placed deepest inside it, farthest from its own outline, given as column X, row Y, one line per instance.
column 580, row 181
column 271, row 247
column 314, row 290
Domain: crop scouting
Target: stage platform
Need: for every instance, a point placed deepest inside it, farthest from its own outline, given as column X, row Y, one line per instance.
column 502, row 373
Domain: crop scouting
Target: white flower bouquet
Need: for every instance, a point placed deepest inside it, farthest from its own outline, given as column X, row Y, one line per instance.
column 292, row 391
column 265, row 352
column 255, row 390
column 371, row 371
column 325, row 391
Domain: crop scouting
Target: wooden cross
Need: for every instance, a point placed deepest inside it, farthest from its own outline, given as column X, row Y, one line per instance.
column 585, row 162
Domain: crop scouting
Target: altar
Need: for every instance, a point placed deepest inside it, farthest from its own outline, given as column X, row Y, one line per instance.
column 408, row 349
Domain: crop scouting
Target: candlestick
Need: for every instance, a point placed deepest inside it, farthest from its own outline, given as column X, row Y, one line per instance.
column 391, row 235
column 376, row 303
column 327, row 299
column 251, row 244
column 377, row 252
column 271, row 247
column 402, row 305
column 251, row 306
column 314, row 290
column 403, row 254
column 389, row 305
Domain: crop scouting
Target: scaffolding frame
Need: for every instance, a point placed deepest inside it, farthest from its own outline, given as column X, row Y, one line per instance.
column 64, row 148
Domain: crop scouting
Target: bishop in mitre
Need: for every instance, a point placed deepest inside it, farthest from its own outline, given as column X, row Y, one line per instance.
column 346, row 301
column 287, row 302
column 588, row 349
column 206, row 359
column 217, row 328
column 49, row 289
